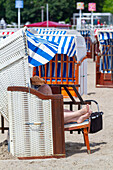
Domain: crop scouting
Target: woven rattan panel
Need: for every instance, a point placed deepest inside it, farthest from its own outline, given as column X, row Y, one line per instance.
column 14, row 68
column 27, row 136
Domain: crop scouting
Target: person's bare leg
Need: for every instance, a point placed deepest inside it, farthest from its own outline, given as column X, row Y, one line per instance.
column 68, row 115
column 79, row 119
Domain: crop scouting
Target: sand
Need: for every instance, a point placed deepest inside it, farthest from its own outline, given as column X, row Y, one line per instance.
column 101, row 143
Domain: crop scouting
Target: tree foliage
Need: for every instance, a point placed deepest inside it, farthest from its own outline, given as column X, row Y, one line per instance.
column 59, row 10
column 2, row 8
column 108, row 6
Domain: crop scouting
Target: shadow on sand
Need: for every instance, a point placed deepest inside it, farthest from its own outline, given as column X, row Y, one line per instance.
column 72, row 148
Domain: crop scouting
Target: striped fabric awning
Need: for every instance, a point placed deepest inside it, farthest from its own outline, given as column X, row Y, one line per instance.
column 66, row 44
column 50, row 31
column 41, row 51
column 69, row 44
column 105, row 36
column 85, row 33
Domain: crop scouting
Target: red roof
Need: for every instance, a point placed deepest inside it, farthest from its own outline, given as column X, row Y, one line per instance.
column 50, row 24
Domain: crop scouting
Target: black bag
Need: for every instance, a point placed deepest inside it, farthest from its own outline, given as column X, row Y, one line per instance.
column 96, row 120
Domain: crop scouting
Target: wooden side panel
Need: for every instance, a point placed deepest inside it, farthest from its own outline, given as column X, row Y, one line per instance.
column 58, row 127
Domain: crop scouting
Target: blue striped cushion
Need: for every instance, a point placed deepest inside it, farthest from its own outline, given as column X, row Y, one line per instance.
column 75, row 124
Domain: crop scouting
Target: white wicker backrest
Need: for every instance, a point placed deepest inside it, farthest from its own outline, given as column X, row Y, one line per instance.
column 14, row 69
column 27, row 137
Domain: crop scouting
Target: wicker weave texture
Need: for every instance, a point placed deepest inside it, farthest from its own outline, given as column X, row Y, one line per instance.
column 14, row 69
column 30, row 123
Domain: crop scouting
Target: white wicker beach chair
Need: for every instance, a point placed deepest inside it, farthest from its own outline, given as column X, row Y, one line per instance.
column 36, row 124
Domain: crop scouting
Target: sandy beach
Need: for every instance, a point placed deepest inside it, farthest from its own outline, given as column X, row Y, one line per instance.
column 101, row 143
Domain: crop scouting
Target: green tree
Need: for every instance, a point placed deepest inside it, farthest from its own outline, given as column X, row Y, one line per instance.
column 10, row 11
column 2, row 9
column 108, row 6
column 29, row 12
column 59, row 10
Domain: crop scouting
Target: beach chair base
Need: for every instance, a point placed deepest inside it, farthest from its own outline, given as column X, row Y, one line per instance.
column 43, row 157
column 104, row 80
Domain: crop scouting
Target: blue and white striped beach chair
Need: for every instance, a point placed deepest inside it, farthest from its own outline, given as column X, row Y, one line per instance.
column 63, row 68
column 105, row 60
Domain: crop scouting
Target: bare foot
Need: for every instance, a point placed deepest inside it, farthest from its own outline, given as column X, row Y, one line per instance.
column 85, row 110
column 82, row 111
column 84, row 117
column 79, row 119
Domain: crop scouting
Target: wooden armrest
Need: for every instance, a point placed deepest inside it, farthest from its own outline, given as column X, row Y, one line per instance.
column 34, row 92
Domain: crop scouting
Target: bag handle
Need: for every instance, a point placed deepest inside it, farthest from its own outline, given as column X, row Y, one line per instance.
column 94, row 102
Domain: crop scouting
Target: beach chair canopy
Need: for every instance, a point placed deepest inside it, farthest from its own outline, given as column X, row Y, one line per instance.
column 55, row 31
column 105, row 35
column 84, row 32
column 69, row 44
column 40, row 51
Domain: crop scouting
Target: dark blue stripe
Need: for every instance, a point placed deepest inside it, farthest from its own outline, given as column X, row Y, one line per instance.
column 59, row 39
column 39, row 51
column 64, row 70
column 69, row 44
column 53, row 69
column 53, row 38
column 102, row 35
column 63, row 45
column 37, row 40
column 52, row 49
column 73, row 47
column 48, row 69
column 33, row 61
